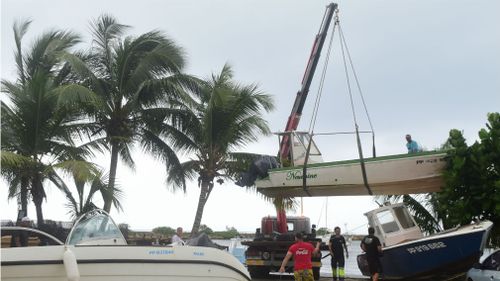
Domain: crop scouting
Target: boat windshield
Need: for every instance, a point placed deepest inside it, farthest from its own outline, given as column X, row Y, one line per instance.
column 95, row 228
column 404, row 217
column 387, row 221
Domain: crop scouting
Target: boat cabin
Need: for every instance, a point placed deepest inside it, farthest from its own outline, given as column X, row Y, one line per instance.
column 393, row 224
column 299, row 143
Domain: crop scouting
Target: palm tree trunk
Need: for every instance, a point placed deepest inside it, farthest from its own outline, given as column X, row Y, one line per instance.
column 108, row 198
column 204, row 193
column 38, row 195
column 39, row 213
column 24, row 199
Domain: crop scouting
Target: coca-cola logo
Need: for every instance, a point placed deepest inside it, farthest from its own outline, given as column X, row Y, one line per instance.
column 302, row 252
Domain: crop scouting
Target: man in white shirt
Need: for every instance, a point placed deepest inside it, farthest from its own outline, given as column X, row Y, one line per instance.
column 177, row 238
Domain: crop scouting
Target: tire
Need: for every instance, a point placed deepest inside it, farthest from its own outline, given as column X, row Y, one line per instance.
column 258, row 272
column 316, row 273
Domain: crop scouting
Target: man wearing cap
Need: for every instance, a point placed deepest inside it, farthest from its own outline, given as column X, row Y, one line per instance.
column 302, row 253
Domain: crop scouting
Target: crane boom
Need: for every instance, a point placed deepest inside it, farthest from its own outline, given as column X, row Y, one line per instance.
column 293, row 120
column 300, row 99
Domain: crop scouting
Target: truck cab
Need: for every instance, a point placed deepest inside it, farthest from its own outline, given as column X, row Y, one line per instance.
column 269, row 247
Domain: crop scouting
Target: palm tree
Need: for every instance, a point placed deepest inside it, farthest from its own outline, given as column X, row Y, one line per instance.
column 85, row 174
column 37, row 116
column 134, row 80
column 227, row 116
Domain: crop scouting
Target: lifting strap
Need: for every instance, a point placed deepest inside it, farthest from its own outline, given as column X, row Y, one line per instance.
column 343, row 45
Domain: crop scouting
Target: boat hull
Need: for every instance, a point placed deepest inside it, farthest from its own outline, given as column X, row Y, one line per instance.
column 398, row 174
column 438, row 257
column 122, row 263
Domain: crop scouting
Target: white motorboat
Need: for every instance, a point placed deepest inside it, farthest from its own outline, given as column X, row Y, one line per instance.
column 395, row 174
column 96, row 250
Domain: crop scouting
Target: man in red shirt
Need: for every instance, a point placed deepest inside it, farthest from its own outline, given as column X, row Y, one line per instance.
column 302, row 253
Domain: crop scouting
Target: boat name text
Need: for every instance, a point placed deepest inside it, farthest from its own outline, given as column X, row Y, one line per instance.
column 426, row 247
column 297, row 175
column 434, row 160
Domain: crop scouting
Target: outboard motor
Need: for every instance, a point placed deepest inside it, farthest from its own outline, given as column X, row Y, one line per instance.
column 258, row 169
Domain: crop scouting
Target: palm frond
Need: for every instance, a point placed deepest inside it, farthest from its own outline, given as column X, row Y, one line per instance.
column 126, row 156
column 115, row 193
column 151, row 55
column 79, row 169
column 74, row 95
column 61, row 185
column 105, row 29
column 158, row 148
column 283, row 203
column 20, row 28
column 14, row 162
column 45, row 53
column 178, row 174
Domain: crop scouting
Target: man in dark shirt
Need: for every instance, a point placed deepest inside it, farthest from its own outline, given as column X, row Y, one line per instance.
column 371, row 245
column 337, row 245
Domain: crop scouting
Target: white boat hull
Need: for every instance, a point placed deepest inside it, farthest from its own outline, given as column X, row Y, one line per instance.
column 400, row 174
column 110, row 263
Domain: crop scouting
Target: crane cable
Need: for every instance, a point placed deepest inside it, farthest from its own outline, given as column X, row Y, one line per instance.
column 343, row 46
column 316, row 106
column 345, row 50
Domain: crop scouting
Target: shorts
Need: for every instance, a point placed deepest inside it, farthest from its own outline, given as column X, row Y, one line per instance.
column 303, row 275
column 374, row 265
column 338, row 261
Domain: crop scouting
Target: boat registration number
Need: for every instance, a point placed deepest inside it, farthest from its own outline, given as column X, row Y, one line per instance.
column 426, row 247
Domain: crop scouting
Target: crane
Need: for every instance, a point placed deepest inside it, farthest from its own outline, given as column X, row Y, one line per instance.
column 300, row 99
column 296, row 113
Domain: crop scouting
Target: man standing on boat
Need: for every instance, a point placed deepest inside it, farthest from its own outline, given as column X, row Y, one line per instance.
column 302, row 254
column 372, row 247
column 177, row 238
column 337, row 245
column 411, row 145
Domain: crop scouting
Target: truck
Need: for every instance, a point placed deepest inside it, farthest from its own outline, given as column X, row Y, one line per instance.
column 266, row 252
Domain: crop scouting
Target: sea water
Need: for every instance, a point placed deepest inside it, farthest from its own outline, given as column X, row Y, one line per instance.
column 351, row 265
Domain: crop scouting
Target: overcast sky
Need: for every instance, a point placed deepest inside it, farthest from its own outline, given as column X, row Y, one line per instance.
column 425, row 67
